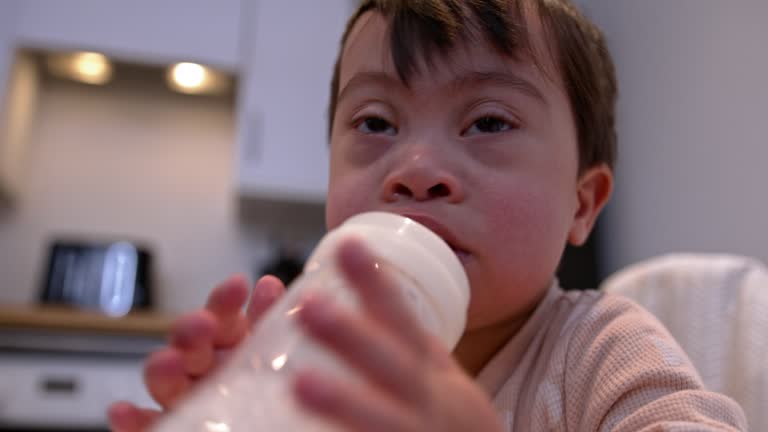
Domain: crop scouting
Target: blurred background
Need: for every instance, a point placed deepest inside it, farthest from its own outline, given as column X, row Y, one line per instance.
column 151, row 148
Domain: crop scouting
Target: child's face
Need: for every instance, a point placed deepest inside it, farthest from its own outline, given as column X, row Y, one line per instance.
column 483, row 145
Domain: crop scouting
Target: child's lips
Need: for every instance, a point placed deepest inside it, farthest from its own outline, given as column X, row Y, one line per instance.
column 444, row 233
column 461, row 254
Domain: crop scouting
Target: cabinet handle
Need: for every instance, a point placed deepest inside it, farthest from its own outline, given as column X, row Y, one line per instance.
column 59, row 385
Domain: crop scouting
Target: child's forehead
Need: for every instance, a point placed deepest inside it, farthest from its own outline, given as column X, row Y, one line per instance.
column 368, row 51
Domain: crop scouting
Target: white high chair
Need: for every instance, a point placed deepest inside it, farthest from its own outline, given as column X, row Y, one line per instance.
column 716, row 307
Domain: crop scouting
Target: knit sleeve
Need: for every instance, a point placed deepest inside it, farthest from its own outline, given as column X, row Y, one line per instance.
column 625, row 373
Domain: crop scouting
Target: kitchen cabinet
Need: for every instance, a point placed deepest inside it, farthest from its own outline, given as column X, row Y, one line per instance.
column 146, row 31
column 289, row 49
column 282, row 51
column 62, row 368
column 45, row 391
column 139, row 31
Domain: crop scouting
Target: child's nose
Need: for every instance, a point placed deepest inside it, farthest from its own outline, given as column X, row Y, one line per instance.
column 421, row 179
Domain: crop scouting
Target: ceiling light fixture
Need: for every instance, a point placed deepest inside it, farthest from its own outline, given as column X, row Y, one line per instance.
column 193, row 78
column 87, row 67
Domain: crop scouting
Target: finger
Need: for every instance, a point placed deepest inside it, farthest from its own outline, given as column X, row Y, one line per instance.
column 228, row 298
column 165, row 377
column 226, row 302
column 365, row 346
column 266, row 291
column 379, row 293
column 126, row 417
column 353, row 407
column 193, row 335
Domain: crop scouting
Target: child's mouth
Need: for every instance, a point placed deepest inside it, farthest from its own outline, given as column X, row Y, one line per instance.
column 444, row 233
column 460, row 253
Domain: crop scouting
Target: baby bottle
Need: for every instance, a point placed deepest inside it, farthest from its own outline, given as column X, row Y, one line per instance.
column 252, row 390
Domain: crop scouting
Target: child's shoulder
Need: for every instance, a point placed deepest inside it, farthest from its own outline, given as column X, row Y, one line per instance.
column 596, row 361
column 610, row 336
column 584, row 314
column 594, row 313
column 603, row 329
column 622, row 367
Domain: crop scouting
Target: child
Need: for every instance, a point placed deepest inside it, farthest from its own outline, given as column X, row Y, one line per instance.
column 491, row 122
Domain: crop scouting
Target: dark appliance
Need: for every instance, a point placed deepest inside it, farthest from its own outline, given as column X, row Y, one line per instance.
column 113, row 277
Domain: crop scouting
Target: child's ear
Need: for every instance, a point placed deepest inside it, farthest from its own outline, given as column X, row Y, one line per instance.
column 593, row 190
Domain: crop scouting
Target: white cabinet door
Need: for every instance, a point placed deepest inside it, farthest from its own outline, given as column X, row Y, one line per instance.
column 290, row 48
column 152, row 31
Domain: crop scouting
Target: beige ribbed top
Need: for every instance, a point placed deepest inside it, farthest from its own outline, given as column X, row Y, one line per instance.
column 589, row 361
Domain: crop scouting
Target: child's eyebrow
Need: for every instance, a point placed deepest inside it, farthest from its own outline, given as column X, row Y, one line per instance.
column 500, row 79
column 361, row 79
column 465, row 80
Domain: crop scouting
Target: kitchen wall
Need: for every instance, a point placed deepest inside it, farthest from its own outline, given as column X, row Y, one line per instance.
column 693, row 142
column 141, row 162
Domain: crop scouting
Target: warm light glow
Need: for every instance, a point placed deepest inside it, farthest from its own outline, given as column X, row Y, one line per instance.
column 216, row 426
column 279, row 361
column 189, row 76
column 193, row 78
column 87, row 67
column 294, row 310
column 91, row 64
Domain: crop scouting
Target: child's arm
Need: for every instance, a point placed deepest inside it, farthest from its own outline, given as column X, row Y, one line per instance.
column 196, row 341
column 624, row 372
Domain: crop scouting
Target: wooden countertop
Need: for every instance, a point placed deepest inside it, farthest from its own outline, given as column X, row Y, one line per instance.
column 59, row 318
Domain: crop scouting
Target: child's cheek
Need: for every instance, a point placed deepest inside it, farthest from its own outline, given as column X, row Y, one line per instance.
column 346, row 197
column 525, row 235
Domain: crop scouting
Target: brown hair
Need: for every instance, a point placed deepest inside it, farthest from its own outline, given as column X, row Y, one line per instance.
column 423, row 28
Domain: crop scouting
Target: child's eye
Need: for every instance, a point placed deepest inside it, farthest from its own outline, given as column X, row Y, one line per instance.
column 376, row 125
column 489, row 125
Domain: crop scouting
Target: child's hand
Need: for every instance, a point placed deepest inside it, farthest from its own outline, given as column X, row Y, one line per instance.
column 411, row 382
column 197, row 340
